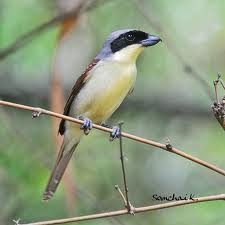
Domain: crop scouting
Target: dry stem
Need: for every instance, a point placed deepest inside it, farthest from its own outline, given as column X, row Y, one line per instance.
column 124, row 211
column 218, row 106
column 127, row 205
column 130, row 136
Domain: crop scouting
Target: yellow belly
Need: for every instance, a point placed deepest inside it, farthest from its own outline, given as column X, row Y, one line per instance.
column 105, row 104
column 105, row 91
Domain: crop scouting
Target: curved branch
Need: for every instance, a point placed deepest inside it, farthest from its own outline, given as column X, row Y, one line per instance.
column 166, row 147
column 136, row 210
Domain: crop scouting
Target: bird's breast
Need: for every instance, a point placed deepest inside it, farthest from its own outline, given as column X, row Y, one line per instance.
column 108, row 85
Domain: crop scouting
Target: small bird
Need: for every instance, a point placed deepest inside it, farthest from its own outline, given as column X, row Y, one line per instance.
column 98, row 92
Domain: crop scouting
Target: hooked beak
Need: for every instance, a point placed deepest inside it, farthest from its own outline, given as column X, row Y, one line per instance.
column 151, row 40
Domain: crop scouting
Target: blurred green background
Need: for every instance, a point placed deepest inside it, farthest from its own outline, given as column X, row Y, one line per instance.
column 167, row 102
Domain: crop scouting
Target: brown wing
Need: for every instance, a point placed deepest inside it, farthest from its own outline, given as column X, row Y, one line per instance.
column 76, row 88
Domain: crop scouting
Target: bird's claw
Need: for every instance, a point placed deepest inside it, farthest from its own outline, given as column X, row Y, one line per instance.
column 115, row 133
column 86, row 126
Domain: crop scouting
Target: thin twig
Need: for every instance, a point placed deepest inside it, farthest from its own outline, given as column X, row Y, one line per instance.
column 121, row 195
column 215, row 83
column 222, row 83
column 123, row 168
column 218, row 106
column 29, row 36
column 124, row 211
column 130, row 136
column 128, row 205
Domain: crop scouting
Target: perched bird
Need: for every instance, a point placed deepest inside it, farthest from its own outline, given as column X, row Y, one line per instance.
column 98, row 92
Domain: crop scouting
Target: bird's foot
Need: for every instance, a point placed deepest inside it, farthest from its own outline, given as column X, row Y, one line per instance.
column 86, row 126
column 116, row 133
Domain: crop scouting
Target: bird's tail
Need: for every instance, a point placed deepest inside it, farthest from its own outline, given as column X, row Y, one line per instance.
column 64, row 156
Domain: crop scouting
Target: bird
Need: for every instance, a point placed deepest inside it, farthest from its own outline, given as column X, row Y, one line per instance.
column 98, row 92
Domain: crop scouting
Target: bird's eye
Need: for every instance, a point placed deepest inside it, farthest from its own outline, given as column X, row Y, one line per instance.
column 130, row 37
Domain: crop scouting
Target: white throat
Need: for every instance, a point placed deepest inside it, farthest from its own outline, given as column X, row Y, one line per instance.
column 128, row 54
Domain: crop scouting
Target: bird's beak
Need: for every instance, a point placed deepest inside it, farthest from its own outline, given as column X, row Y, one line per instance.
column 151, row 40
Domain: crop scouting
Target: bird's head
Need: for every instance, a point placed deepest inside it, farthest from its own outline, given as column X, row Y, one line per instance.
column 126, row 45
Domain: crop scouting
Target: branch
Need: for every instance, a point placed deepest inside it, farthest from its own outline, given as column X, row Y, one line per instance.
column 38, row 111
column 29, row 36
column 218, row 106
column 127, row 203
column 136, row 210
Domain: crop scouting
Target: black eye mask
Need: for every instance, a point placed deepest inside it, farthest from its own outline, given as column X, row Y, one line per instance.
column 129, row 38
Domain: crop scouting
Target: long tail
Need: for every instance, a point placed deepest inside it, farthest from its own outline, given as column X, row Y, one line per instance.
column 63, row 159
